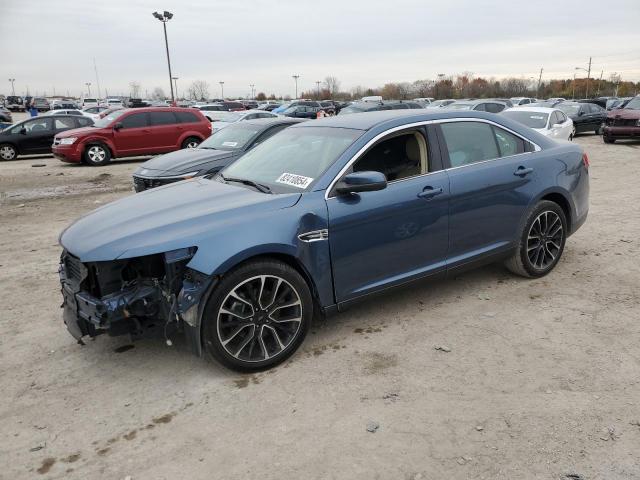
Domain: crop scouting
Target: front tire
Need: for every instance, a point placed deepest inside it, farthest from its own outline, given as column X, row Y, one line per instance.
column 257, row 316
column 97, row 155
column 8, row 152
column 191, row 142
column 606, row 139
column 541, row 242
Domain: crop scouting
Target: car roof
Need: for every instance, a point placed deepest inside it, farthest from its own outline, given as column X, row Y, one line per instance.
column 369, row 120
column 531, row 109
column 267, row 122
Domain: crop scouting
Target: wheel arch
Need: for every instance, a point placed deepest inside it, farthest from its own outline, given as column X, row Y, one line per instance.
column 103, row 141
column 190, row 134
column 564, row 203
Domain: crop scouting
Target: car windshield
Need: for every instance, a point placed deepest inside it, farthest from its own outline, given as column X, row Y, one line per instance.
column 569, row 109
column 234, row 137
column 633, row 104
column 224, row 116
column 530, row 119
column 460, row 106
column 291, row 160
column 106, row 121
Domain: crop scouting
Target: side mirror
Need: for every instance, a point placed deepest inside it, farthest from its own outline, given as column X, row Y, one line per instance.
column 23, row 131
column 580, row 114
column 117, row 126
column 361, row 182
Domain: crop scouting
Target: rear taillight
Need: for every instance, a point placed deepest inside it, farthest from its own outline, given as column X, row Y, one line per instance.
column 585, row 160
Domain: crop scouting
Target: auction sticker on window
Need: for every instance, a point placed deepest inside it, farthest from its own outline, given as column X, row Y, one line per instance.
column 294, row 180
column 229, row 144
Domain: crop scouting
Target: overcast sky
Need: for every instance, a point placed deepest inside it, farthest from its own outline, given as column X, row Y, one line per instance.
column 49, row 44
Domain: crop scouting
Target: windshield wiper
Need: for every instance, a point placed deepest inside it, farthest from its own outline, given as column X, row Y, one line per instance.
column 258, row 186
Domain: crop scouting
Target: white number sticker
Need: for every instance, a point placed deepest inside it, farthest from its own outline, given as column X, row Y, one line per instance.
column 229, row 144
column 294, row 180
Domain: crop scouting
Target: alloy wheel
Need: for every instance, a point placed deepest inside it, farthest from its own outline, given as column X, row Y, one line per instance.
column 7, row 152
column 96, row 154
column 259, row 318
column 544, row 240
column 192, row 144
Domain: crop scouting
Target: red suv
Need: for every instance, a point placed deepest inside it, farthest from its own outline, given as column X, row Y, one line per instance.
column 132, row 132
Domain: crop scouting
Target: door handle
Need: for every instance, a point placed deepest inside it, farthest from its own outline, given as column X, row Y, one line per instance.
column 522, row 171
column 429, row 192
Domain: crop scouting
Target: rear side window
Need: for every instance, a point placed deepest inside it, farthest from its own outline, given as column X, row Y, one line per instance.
column 135, row 120
column 481, row 107
column 494, row 107
column 64, row 123
column 187, row 117
column 162, row 118
column 472, row 142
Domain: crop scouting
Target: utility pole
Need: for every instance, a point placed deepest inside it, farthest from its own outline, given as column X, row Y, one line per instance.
column 599, row 81
column 97, row 78
column 88, row 84
column 253, row 96
column 539, row 80
column 175, row 79
column 222, row 88
column 296, row 77
column 588, row 75
column 13, row 90
column 318, row 85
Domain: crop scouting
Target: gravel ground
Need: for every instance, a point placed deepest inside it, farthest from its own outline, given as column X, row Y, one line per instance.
column 532, row 378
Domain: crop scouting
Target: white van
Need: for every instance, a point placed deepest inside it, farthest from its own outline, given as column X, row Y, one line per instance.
column 90, row 102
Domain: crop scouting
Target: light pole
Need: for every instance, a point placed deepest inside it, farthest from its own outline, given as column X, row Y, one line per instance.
column 175, row 79
column 222, row 89
column 164, row 17
column 13, row 90
column 318, row 85
column 88, row 84
column 296, row 77
column 253, row 96
column 586, row 95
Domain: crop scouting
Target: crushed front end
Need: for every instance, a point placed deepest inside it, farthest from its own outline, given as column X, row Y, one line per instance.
column 149, row 296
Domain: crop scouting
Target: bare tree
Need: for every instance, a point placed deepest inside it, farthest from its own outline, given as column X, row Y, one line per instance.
column 332, row 84
column 158, row 94
column 134, row 89
column 198, row 90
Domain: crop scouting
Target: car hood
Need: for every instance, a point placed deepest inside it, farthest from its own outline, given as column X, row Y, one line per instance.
column 182, row 161
column 626, row 113
column 179, row 215
column 75, row 132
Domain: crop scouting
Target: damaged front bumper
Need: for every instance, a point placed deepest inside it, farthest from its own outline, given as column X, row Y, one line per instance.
column 151, row 296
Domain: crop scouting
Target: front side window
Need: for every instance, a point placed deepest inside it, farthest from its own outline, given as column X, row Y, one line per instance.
column 135, row 120
column 293, row 159
column 634, row 104
column 84, row 122
column 398, row 157
column 472, row 142
column 108, row 119
column 35, row 126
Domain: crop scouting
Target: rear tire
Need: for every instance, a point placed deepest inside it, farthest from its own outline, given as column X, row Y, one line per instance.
column 8, row 152
column 96, row 155
column 257, row 316
column 191, row 142
column 541, row 241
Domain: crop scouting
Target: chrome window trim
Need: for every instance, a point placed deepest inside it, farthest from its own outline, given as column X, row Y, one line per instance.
column 360, row 152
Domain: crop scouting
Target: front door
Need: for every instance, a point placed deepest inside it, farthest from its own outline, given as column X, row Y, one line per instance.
column 36, row 136
column 135, row 135
column 387, row 237
column 492, row 184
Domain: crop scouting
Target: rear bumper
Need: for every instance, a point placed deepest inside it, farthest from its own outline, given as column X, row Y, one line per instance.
column 621, row 132
column 68, row 153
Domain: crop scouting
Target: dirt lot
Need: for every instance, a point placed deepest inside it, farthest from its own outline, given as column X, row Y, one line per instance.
column 542, row 380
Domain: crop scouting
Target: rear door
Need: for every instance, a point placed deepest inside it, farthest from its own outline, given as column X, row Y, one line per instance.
column 135, row 135
column 492, row 183
column 165, row 131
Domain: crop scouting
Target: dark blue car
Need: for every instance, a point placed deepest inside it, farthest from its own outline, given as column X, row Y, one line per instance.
column 318, row 216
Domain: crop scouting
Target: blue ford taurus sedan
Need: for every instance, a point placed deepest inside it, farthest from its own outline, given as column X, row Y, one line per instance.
column 318, row 216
